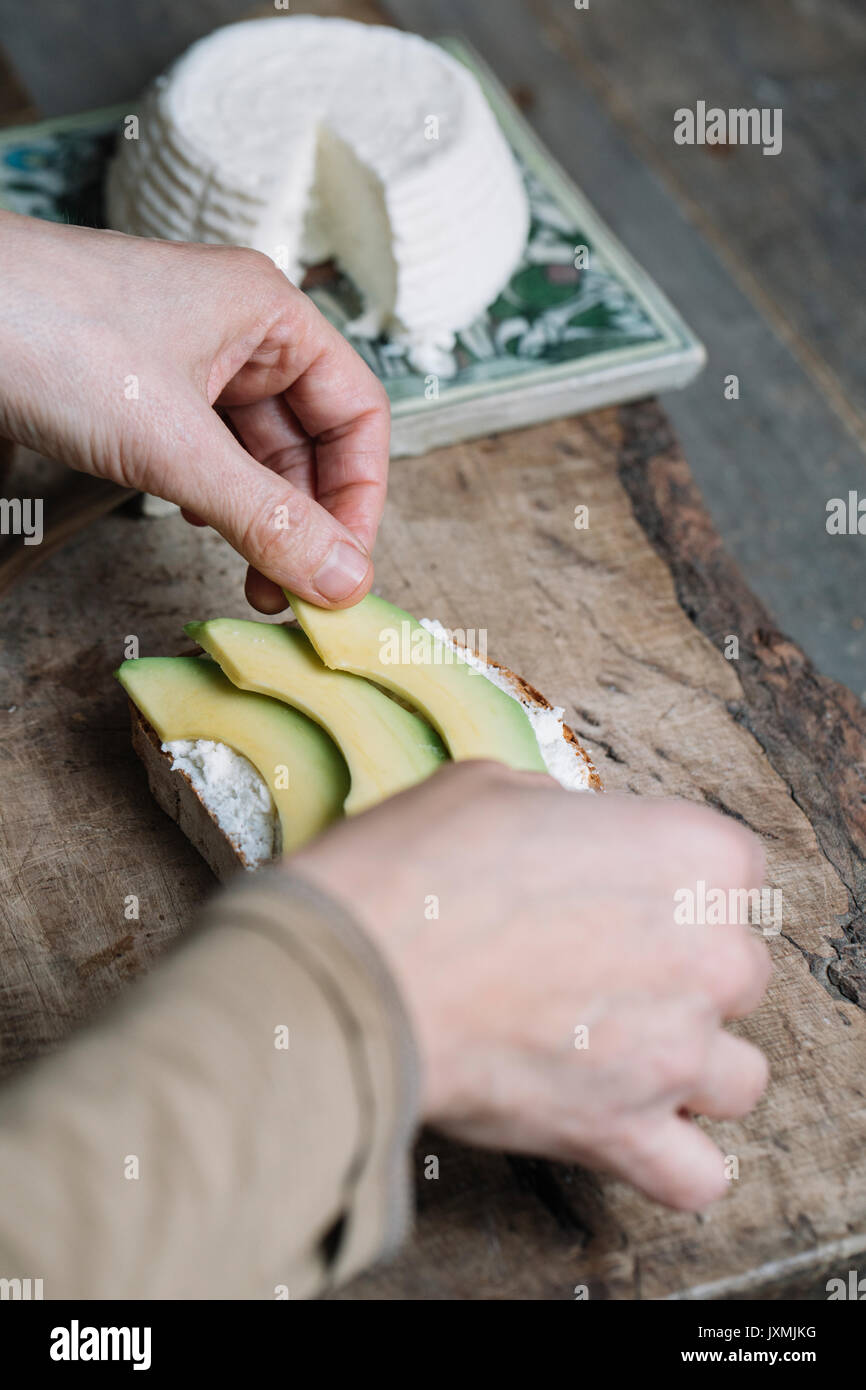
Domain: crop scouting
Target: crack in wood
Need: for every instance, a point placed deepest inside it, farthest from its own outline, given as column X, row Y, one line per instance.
column 719, row 804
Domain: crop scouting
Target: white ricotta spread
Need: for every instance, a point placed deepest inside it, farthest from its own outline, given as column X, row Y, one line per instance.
column 308, row 138
column 560, row 757
column 233, row 792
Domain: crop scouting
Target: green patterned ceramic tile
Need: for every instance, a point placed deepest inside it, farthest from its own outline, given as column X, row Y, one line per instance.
column 558, row 338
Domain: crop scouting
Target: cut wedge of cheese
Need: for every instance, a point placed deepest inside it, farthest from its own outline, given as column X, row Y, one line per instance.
column 309, row 138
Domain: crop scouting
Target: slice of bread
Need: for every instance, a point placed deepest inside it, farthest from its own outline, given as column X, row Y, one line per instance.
column 174, row 792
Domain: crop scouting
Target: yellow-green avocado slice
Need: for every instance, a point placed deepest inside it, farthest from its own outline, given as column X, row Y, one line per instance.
column 386, row 747
column 188, row 697
column 373, row 638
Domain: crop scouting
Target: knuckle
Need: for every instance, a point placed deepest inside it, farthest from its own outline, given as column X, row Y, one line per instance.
column 706, row 834
column 669, row 1048
column 265, row 290
column 757, row 963
column 672, row 1065
column 743, row 958
column 735, row 968
column 235, row 260
column 621, row 1140
column 379, row 398
column 372, row 393
column 255, row 262
column 371, row 404
column 743, row 853
column 274, row 529
column 377, row 402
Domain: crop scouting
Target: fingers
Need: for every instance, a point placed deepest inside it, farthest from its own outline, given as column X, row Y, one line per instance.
column 698, row 876
column 733, row 1079
column 280, row 530
column 680, row 843
column 673, row 1162
column 737, row 970
column 727, row 963
column 270, row 432
column 262, row 593
column 331, row 397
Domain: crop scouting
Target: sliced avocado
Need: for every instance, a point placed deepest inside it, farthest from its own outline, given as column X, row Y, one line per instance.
column 188, row 697
column 377, row 640
column 387, row 748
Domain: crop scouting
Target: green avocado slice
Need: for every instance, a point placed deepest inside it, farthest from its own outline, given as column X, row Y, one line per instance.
column 188, row 697
column 386, row 747
column 380, row 641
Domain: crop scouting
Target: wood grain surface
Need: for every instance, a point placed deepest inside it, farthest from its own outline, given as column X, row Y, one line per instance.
column 622, row 623
column 625, row 624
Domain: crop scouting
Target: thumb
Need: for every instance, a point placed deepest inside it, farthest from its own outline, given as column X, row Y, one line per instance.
column 282, row 532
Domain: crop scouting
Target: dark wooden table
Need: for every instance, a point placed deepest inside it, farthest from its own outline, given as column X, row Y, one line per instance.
column 763, row 256
column 625, row 624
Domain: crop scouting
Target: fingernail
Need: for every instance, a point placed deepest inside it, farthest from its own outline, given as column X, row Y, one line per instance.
column 341, row 571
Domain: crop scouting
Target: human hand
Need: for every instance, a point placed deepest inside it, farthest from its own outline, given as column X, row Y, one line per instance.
column 556, row 912
column 115, row 350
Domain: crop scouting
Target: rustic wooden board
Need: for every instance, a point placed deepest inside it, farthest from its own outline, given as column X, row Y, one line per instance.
column 621, row 623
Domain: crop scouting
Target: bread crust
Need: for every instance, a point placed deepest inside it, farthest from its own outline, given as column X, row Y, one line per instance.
column 534, row 697
column 175, row 794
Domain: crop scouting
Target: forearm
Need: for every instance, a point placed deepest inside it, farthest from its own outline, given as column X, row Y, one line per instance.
column 215, row 1131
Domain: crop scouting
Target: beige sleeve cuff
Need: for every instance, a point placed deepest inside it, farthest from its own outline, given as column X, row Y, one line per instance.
column 238, row 1127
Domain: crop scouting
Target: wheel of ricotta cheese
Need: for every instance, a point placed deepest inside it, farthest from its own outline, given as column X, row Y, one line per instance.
column 310, row 138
